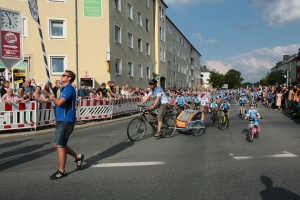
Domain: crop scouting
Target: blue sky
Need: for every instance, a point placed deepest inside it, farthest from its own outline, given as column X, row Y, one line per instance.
column 246, row 35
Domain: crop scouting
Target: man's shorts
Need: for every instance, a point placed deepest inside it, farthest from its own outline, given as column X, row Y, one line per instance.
column 62, row 132
column 197, row 104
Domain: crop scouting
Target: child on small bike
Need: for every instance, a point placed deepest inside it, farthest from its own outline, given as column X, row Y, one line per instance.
column 254, row 114
column 213, row 105
column 226, row 106
column 242, row 101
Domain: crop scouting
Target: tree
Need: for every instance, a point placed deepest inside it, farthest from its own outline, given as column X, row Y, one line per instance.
column 276, row 77
column 233, row 78
column 216, row 79
column 264, row 81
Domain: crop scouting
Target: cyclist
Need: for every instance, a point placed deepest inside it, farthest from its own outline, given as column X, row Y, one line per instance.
column 254, row 114
column 213, row 106
column 161, row 102
column 196, row 101
column 226, row 106
column 180, row 101
column 187, row 99
column 242, row 101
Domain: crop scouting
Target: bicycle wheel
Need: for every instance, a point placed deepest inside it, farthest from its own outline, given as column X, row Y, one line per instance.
column 222, row 123
column 198, row 129
column 136, row 129
column 169, row 127
column 250, row 136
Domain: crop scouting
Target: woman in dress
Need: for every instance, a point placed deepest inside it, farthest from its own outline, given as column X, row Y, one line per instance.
column 278, row 100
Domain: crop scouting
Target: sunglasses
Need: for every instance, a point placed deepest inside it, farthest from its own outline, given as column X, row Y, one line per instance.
column 65, row 75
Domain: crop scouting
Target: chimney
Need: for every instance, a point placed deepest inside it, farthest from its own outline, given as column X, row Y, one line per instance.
column 286, row 57
column 204, row 66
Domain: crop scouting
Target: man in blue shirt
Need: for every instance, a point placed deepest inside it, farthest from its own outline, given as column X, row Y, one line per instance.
column 65, row 122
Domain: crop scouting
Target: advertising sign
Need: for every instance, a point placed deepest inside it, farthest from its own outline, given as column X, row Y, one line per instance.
column 92, row 8
column 10, row 44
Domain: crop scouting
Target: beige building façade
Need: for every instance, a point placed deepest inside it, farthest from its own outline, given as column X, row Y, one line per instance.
column 125, row 41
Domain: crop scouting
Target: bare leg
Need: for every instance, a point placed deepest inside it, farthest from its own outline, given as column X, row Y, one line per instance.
column 159, row 126
column 62, row 156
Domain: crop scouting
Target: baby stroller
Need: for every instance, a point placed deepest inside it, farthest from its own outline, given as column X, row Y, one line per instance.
column 191, row 121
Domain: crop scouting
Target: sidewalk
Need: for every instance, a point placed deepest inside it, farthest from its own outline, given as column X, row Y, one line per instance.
column 89, row 124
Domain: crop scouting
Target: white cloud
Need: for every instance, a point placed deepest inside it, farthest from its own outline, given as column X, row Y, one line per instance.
column 255, row 64
column 277, row 12
column 198, row 35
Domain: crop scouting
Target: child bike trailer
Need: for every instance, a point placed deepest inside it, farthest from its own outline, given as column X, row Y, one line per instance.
column 189, row 121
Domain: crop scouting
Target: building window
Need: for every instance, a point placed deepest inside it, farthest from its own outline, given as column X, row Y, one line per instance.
column 57, row 29
column 170, row 30
column 170, row 48
column 139, row 45
column 162, row 54
column 25, row 28
column 147, row 48
column 58, row 64
column 148, row 73
column 118, row 64
column 117, row 4
column 130, row 40
column 130, row 69
column 161, row 13
column 147, row 25
column 117, row 34
column 140, row 71
column 170, row 65
column 147, row 3
column 162, row 34
column 129, row 11
column 140, row 22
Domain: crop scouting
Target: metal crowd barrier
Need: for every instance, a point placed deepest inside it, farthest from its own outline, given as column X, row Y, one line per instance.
column 33, row 114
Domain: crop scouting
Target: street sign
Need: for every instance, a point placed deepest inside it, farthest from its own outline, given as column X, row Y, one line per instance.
column 10, row 44
column 92, row 8
column 11, row 40
column 32, row 4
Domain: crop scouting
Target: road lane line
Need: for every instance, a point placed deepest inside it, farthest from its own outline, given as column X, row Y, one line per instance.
column 284, row 154
column 129, row 164
column 243, row 157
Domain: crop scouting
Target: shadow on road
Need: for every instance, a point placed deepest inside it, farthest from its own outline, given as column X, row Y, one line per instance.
column 12, row 162
column 10, row 144
column 107, row 153
column 274, row 193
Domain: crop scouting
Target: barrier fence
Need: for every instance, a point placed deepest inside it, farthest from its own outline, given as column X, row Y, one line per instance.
column 33, row 114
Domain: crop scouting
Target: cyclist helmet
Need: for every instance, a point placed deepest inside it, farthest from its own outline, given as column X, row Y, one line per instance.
column 252, row 104
column 195, row 95
column 153, row 82
column 225, row 98
column 243, row 93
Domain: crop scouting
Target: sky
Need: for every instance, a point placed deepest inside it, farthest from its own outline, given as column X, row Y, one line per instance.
column 249, row 36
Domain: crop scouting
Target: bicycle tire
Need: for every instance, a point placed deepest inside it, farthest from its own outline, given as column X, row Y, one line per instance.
column 198, row 129
column 250, row 135
column 214, row 117
column 169, row 127
column 134, row 130
column 222, row 122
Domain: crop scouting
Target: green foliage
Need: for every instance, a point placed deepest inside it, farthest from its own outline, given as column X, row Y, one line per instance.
column 233, row 78
column 275, row 77
column 216, row 79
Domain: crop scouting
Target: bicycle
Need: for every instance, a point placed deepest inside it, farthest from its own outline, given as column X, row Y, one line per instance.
column 214, row 113
column 223, row 120
column 242, row 111
column 137, row 127
column 253, row 130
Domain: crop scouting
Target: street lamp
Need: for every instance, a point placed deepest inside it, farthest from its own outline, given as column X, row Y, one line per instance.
column 288, row 72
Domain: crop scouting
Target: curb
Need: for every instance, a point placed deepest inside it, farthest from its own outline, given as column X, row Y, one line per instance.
column 51, row 130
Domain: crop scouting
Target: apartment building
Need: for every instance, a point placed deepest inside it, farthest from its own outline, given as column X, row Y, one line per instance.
column 183, row 60
column 125, row 41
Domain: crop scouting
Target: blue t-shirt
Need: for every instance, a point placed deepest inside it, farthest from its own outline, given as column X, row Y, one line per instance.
column 226, row 105
column 67, row 111
column 196, row 100
column 180, row 101
column 213, row 105
column 270, row 95
column 243, row 100
column 187, row 98
column 159, row 93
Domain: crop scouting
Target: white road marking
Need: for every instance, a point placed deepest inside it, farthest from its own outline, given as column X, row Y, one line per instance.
column 284, row 154
column 243, row 157
column 129, row 164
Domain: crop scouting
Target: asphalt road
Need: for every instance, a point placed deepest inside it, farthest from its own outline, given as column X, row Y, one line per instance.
column 220, row 164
